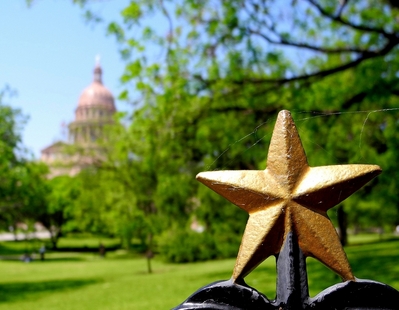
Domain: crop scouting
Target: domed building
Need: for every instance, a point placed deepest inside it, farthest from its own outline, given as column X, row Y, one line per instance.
column 95, row 110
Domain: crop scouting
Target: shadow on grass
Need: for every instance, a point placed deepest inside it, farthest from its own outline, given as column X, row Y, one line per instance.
column 61, row 259
column 85, row 249
column 18, row 248
column 23, row 290
column 47, row 260
column 22, row 246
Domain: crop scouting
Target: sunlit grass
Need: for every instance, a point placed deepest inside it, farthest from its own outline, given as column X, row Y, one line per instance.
column 368, row 238
column 83, row 241
column 85, row 281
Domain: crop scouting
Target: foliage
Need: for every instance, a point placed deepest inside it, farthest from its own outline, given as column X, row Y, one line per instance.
column 207, row 80
column 27, row 196
column 210, row 80
column 238, row 51
column 183, row 246
column 22, row 184
column 60, row 201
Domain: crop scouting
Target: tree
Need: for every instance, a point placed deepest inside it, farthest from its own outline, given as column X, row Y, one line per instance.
column 60, row 198
column 28, row 196
column 249, row 48
column 227, row 67
column 20, row 179
column 131, row 182
column 238, row 62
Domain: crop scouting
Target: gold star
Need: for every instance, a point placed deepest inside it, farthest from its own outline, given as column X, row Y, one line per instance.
column 289, row 196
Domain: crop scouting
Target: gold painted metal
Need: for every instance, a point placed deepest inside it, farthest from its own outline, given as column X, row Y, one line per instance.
column 289, row 196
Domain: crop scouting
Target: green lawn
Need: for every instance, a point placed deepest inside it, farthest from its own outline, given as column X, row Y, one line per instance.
column 84, row 281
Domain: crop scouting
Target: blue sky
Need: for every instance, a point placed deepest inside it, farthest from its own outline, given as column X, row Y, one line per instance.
column 47, row 55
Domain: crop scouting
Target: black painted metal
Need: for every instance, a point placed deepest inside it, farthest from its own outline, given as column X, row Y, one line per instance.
column 292, row 279
column 225, row 295
column 292, row 291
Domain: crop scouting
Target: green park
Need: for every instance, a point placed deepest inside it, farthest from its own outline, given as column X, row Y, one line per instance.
column 83, row 280
column 126, row 223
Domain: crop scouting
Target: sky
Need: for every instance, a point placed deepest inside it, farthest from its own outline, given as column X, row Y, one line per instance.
column 47, row 54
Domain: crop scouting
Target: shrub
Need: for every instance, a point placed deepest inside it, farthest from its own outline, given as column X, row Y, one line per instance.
column 183, row 246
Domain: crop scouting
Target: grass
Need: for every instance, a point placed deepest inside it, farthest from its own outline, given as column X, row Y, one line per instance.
column 85, row 281
column 70, row 280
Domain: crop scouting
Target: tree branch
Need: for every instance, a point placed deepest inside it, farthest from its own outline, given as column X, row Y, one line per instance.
column 342, row 7
column 318, row 74
column 307, row 46
column 339, row 19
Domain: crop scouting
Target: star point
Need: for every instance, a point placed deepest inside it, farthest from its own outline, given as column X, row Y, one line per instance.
column 289, row 196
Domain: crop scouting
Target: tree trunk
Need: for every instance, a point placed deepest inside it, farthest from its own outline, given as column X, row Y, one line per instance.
column 128, row 239
column 53, row 240
column 14, row 231
column 149, row 268
column 150, row 253
column 343, row 225
column 54, row 236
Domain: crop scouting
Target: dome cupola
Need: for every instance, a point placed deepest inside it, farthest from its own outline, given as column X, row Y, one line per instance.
column 95, row 108
column 95, row 97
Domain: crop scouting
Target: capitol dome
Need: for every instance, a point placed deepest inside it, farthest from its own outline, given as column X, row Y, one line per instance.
column 96, row 100
column 96, row 107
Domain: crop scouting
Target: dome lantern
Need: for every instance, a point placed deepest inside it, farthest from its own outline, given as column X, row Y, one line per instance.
column 98, row 71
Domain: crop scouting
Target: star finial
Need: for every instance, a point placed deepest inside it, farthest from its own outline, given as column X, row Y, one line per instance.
column 289, row 196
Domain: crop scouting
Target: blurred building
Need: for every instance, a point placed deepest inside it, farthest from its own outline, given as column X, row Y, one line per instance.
column 95, row 110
